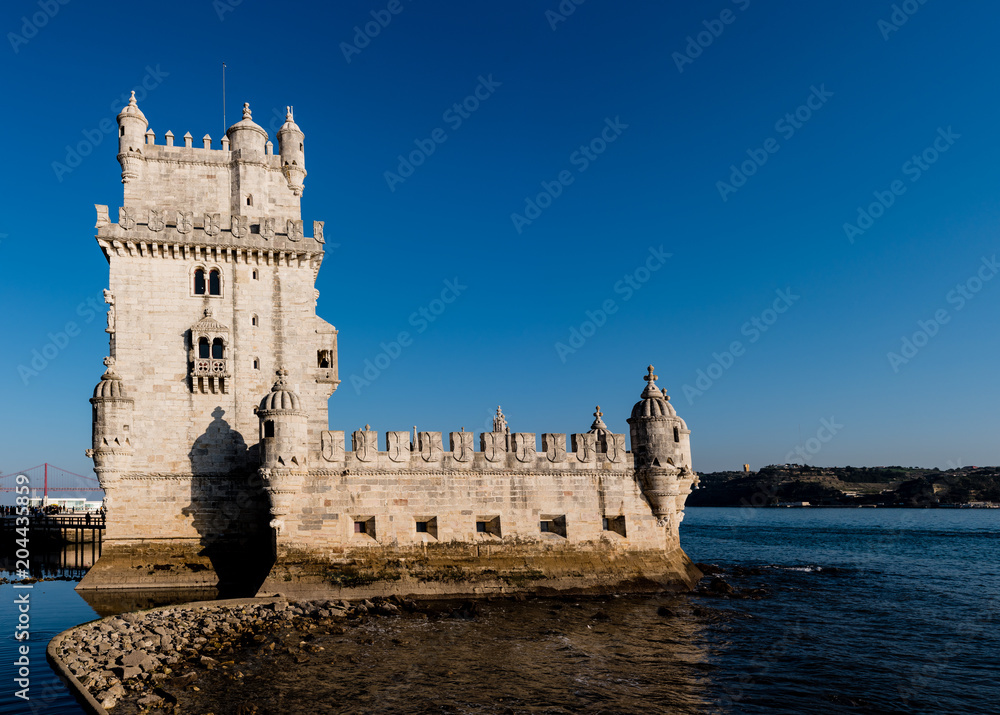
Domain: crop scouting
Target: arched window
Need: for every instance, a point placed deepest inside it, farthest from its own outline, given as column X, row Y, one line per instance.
column 256, row 364
column 249, row 199
column 217, row 349
column 253, row 320
column 323, row 358
column 121, row 131
column 203, row 348
column 677, row 435
column 301, row 146
column 269, row 428
column 254, row 274
column 199, row 281
column 214, row 282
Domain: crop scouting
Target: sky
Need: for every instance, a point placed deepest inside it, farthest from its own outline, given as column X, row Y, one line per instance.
column 790, row 209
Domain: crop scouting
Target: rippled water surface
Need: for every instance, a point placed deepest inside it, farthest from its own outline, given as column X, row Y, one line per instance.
column 854, row 610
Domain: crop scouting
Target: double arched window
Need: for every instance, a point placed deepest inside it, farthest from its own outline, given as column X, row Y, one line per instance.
column 213, row 282
column 216, row 350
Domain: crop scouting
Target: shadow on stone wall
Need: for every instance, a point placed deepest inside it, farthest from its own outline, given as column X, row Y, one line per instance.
column 229, row 508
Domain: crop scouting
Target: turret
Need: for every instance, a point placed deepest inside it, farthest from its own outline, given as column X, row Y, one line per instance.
column 132, row 127
column 291, row 143
column 112, row 422
column 247, row 137
column 660, row 454
column 283, row 447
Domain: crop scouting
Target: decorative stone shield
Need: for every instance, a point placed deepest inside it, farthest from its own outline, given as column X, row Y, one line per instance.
column 430, row 446
column 585, row 446
column 461, row 446
column 524, row 446
column 494, row 445
column 398, row 446
column 332, row 444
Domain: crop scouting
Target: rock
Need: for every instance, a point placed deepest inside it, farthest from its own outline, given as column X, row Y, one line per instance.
column 148, row 700
column 719, row 587
column 208, row 662
column 127, row 672
column 108, row 702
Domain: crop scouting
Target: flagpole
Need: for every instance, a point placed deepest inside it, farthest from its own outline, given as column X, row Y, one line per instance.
column 223, row 99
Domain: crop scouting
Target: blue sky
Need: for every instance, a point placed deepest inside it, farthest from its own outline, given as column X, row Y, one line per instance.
column 664, row 119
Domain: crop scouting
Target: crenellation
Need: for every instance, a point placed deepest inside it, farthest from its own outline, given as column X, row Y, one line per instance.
column 211, row 293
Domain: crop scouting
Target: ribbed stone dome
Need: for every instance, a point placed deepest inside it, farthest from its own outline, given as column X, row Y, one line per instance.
column 247, row 124
column 289, row 125
column 111, row 386
column 653, row 403
column 132, row 110
column 280, row 397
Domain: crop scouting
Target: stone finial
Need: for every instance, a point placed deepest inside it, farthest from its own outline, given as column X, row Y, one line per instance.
column 246, row 110
column 169, row 136
column 109, row 361
column 499, row 421
column 598, row 422
column 206, row 141
column 651, row 389
column 131, row 100
column 288, row 114
column 208, row 312
column 150, row 137
column 188, row 139
column 368, row 428
column 269, row 148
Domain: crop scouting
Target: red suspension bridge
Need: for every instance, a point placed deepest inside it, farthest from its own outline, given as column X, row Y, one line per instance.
column 52, row 481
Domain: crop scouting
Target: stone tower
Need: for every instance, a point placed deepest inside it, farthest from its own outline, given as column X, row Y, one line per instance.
column 211, row 289
column 662, row 449
column 219, row 476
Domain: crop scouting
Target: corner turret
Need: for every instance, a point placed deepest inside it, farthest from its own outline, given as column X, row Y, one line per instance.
column 284, row 447
column 247, row 137
column 291, row 143
column 662, row 452
column 112, row 420
column 132, row 127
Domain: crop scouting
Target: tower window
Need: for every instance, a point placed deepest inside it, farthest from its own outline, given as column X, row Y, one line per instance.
column 677, row 435
column 217, row 349
column 269, row 428
column 253, row 320
column 199, row 282
column 214, row 283
column 301, row 145
column 121, row 131
column 256, row 364
column 203, row 348
column 553, row 524
column 615, row 524
column 254, row 274
column 323, row 358
column 249, row 199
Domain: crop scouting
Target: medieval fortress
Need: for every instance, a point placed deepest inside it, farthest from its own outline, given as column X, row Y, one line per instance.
column 211, row 435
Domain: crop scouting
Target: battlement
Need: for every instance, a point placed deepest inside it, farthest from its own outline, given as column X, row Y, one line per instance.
column 243, row 177
column 498, row 451
column 173, row 233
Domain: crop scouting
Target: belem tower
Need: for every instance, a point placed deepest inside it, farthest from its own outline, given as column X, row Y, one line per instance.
column 212, row 442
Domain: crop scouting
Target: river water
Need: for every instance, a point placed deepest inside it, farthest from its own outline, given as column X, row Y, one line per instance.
column 852, row 610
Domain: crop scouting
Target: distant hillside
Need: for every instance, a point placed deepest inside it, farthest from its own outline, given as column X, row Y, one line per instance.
column 848, row 486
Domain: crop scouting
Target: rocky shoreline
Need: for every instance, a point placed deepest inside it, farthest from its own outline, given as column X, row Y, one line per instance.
column 177, row 659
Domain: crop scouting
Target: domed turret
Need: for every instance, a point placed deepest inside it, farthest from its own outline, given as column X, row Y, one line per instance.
column 247, row 137
column 659, row 451
column 283, row 436
column 132, row 127
column 112, row 420
column 291, row 146
column 283, row 448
